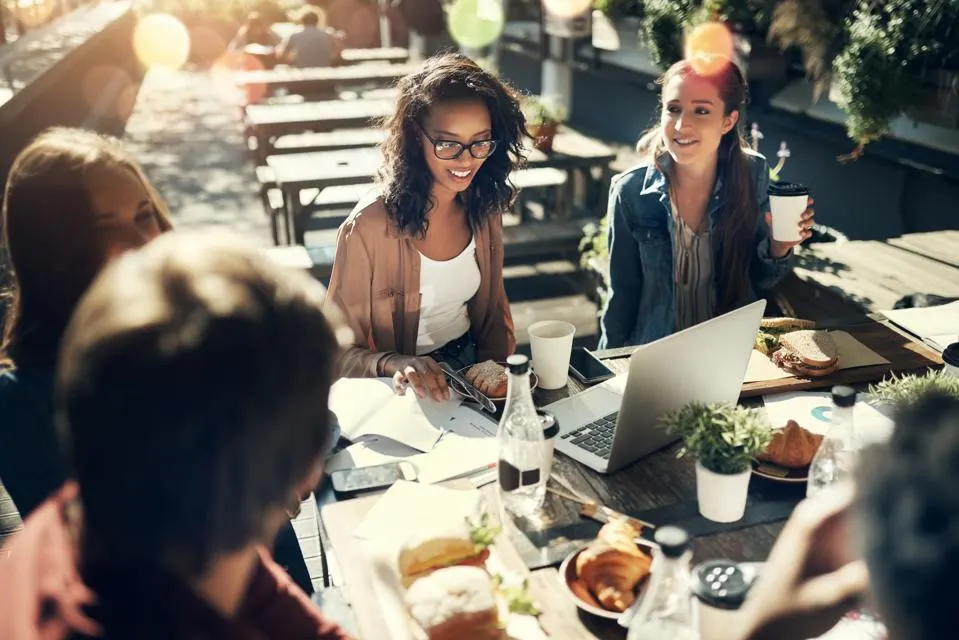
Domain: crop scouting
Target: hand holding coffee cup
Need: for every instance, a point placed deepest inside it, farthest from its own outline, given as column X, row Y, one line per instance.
column 790, row 218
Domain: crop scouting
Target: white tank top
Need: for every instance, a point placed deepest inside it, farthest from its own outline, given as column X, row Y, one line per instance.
column 445, row 288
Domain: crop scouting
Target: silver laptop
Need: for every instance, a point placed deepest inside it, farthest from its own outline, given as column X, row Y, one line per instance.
column 616, row 423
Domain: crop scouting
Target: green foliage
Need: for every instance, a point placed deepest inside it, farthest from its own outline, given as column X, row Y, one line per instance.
column 543, row 109
column 594, row 245
column 484, row 532
column 517, row 596
column 876, row 53
column 907, row 389
column 723, row 438
column 818, row 28
column 616, row 9
column 661, row 30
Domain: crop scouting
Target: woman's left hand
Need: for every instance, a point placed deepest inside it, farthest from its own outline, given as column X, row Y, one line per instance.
column 779, row 249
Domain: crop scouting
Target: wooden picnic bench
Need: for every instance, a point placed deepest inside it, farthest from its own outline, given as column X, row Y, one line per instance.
column 375, row 54
column 297, row 186
column 267, row 121
column 300, row 179
column 317, row 141
column 314, row 79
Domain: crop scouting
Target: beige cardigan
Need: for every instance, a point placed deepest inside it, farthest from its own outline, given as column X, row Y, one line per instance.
column 376, row 283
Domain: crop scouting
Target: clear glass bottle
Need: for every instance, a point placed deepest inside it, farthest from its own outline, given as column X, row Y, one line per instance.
column 835, row 460
column 521, row 445
column 667, row 608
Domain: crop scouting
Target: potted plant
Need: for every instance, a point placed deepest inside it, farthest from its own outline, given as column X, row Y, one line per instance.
column 543, row 116
column 723, row 439
column 907, row 389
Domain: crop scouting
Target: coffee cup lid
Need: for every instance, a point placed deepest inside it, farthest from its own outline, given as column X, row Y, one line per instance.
column 951, row 354
column 787, row 189
column 553, row 429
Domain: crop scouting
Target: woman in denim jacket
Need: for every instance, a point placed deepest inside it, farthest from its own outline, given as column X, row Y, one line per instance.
column 686, row 241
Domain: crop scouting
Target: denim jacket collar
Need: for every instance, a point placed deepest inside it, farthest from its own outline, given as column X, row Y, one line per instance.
column 657, row 183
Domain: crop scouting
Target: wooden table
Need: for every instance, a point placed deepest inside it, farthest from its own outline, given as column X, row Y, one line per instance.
column 270, row 120
column 321, row 78
column 581, row 156
column 297, row 171
column 657, row 480
column 377, row 54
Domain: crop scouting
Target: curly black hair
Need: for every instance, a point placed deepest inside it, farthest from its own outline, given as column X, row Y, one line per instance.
column 909, row 520
column 405, row 179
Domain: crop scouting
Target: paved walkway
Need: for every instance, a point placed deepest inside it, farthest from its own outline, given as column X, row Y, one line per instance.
column 185, row 131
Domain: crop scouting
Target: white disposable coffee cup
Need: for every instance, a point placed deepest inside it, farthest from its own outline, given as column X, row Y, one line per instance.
column 787, row 202
column 551, row 343
column 550, row 433
column 950, row 356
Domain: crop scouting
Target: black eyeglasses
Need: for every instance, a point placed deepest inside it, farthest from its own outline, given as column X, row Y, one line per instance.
column 451, row 150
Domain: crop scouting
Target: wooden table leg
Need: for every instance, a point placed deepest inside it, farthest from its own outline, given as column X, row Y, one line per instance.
column 290, row 206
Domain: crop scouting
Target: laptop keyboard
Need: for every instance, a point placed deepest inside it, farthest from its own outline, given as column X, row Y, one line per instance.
column 595, row 437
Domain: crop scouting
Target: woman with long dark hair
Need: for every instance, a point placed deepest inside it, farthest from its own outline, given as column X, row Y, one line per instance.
column 689, row 227
column 419, row 263
column 73, row 201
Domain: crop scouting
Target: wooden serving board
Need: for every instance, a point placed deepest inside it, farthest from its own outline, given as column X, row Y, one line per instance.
column 905, row 355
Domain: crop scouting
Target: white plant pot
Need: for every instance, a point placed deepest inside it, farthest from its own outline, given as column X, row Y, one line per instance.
column 722, row 497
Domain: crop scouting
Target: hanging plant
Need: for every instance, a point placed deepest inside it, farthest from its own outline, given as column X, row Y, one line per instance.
column 661, row 30
column 818, row 28
column 876, row 60
column 618, row 9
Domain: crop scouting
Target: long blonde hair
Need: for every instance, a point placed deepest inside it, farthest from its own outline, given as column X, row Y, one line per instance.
column 736, row 226
column 48, row 237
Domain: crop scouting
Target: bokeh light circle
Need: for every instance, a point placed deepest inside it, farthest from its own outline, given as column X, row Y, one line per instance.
column 31, row 13
column 161, row 40
column 567, row 8
column 710, row 48
column 476, row 23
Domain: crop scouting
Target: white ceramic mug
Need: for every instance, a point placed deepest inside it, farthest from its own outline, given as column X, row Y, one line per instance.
column 551, row 343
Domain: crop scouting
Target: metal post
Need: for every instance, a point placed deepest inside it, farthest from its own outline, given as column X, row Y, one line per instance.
column 384, row 23
column 558, row 72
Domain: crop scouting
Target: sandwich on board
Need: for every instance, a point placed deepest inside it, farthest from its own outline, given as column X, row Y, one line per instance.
column 807, row 353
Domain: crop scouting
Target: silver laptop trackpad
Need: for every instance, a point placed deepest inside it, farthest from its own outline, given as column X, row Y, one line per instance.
column 592, row 404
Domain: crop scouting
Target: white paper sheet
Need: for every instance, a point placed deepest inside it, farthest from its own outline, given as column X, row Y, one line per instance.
column 812, row 410
column 442, row 441
column 408, row 508
column 932, row 324
column 369, row 407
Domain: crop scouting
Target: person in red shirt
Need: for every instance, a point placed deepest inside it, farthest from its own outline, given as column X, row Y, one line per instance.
column 191, row 393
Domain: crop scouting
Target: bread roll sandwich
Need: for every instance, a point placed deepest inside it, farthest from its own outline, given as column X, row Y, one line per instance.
column 792, row 447
column 489, row 377
column 456, row 603
column 808, row 354
column 465, row 544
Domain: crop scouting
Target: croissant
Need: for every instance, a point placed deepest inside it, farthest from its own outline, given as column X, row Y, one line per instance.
column 792, row 447
column 612, row 566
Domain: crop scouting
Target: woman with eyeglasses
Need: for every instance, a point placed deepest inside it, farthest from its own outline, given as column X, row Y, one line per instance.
column 418, row 269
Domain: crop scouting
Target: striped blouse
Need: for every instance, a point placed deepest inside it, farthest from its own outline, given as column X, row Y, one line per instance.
column 692, row 275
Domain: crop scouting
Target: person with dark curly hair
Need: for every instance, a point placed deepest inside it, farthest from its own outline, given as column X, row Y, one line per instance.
column 418, row 269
